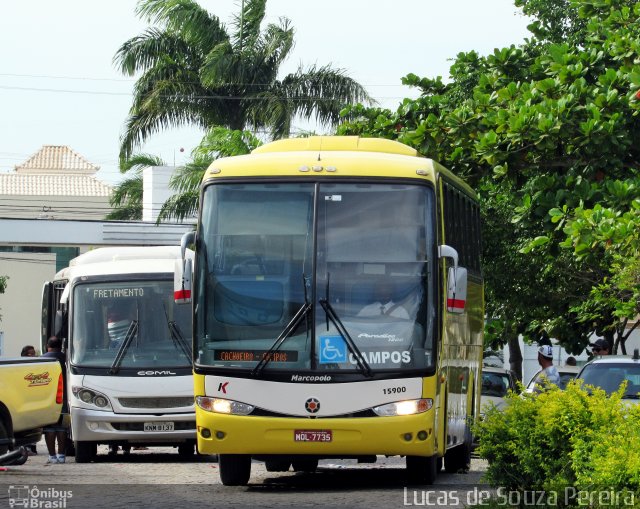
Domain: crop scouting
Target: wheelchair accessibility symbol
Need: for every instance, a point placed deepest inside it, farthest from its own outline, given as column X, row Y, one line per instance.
column 333, row 349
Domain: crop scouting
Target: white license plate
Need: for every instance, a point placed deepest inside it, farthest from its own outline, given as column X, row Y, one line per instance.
column 316, row 435
column 158, row 426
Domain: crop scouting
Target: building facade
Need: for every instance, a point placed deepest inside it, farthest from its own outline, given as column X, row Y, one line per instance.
column 55, row 183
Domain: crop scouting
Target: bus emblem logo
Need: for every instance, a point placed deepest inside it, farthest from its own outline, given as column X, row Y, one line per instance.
column 312, row 405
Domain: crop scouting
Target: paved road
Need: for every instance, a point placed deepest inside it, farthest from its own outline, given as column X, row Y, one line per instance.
column 159, row 478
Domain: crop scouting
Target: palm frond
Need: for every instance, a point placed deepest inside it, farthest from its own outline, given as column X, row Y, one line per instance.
column 180, row 206
column 139, row 161
column 185, row 17
column 247, row 24
column 187, row 178
column 126, row 213
column 277, row 43
column 150, row 49
column 127, row 199
column 223, row 142
column 322, row 93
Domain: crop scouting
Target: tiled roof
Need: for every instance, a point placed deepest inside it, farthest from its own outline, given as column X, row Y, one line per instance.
column 57, row 159
column 52, row 185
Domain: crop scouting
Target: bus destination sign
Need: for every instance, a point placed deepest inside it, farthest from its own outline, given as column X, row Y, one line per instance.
column 255, row 355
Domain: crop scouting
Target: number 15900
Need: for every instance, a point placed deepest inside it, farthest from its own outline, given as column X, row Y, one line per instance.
column 394, row 390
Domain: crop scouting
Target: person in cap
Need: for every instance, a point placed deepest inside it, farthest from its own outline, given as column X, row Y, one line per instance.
column 600, row 347
column 549, row 373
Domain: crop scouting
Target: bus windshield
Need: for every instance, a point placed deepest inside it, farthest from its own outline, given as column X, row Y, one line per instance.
column 129, row 324
column 322, row 277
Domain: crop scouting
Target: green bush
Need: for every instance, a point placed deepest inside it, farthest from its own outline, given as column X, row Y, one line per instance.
column 577, row 441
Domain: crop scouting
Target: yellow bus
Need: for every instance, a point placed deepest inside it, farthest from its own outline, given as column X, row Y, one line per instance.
column 338, row 308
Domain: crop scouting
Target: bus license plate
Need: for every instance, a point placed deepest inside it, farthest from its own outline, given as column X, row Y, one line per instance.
column 158, row 426
column 316, row 435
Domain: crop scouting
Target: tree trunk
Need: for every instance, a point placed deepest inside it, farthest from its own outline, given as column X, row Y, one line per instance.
column 515, row 353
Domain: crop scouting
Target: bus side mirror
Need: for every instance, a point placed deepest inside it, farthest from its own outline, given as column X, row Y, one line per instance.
column 456, row 281
column 182, row 281
column 456, row 289
column 182, row 275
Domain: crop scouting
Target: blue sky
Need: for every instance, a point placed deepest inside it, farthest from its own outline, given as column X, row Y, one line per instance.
column 58, row 84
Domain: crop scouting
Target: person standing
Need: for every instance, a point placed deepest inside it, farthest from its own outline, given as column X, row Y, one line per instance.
column 28, row 351
column 549, row 373
column 600, row 347
column 57, row 432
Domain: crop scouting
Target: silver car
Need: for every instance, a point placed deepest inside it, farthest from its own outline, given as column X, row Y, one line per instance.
column 610, row 371
column 496, row 382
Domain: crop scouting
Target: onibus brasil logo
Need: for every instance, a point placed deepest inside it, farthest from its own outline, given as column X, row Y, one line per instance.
column 34, row 497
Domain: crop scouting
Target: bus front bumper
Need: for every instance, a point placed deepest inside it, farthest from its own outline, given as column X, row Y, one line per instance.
column 98, row 426
column 231, row 434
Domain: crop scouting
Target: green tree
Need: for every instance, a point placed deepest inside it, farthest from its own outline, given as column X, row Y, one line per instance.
column 127, row 195
column 218, row 142
column 545, row 132
column 196, row 71
column 556, row 21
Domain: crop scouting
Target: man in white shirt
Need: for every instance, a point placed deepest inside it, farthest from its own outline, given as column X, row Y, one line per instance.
column 383, row 304
column 549, row 373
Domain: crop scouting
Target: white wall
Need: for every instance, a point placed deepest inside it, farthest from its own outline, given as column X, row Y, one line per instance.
column 155, row 190
column 20, row 304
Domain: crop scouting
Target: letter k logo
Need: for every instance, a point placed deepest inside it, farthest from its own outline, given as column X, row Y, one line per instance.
column 223, row 387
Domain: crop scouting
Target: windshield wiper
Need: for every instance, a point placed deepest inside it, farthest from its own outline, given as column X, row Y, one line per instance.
column 176, row 336
column 353, row 348
column 179, row 340
column 287, row 331
column 132, row 331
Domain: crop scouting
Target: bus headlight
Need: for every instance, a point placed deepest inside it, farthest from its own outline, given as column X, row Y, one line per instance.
column 408, row 407
column 91, row 397
column 223, row 406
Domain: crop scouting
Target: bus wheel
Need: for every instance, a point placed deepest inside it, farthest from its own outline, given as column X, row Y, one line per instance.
column 22, row 459
column 235, row 469
column 305, row 465
column 422, row 469
column 4, row 439
column 277, row 465
column 85, row 451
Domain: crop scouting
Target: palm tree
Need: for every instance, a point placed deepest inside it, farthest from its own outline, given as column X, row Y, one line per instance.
column 127, row 196
column 218, row 142
column 197, row 72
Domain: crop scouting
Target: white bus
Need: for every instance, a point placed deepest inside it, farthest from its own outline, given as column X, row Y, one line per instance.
column 128, row 347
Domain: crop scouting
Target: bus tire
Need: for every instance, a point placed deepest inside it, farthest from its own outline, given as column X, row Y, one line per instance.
column 85, row 451
column 4, row 435
column 305, row 464
column 235, row 469
column 422, row 469
column 22, row 459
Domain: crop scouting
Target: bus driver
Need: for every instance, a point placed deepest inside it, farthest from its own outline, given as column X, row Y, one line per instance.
column 383, row 303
